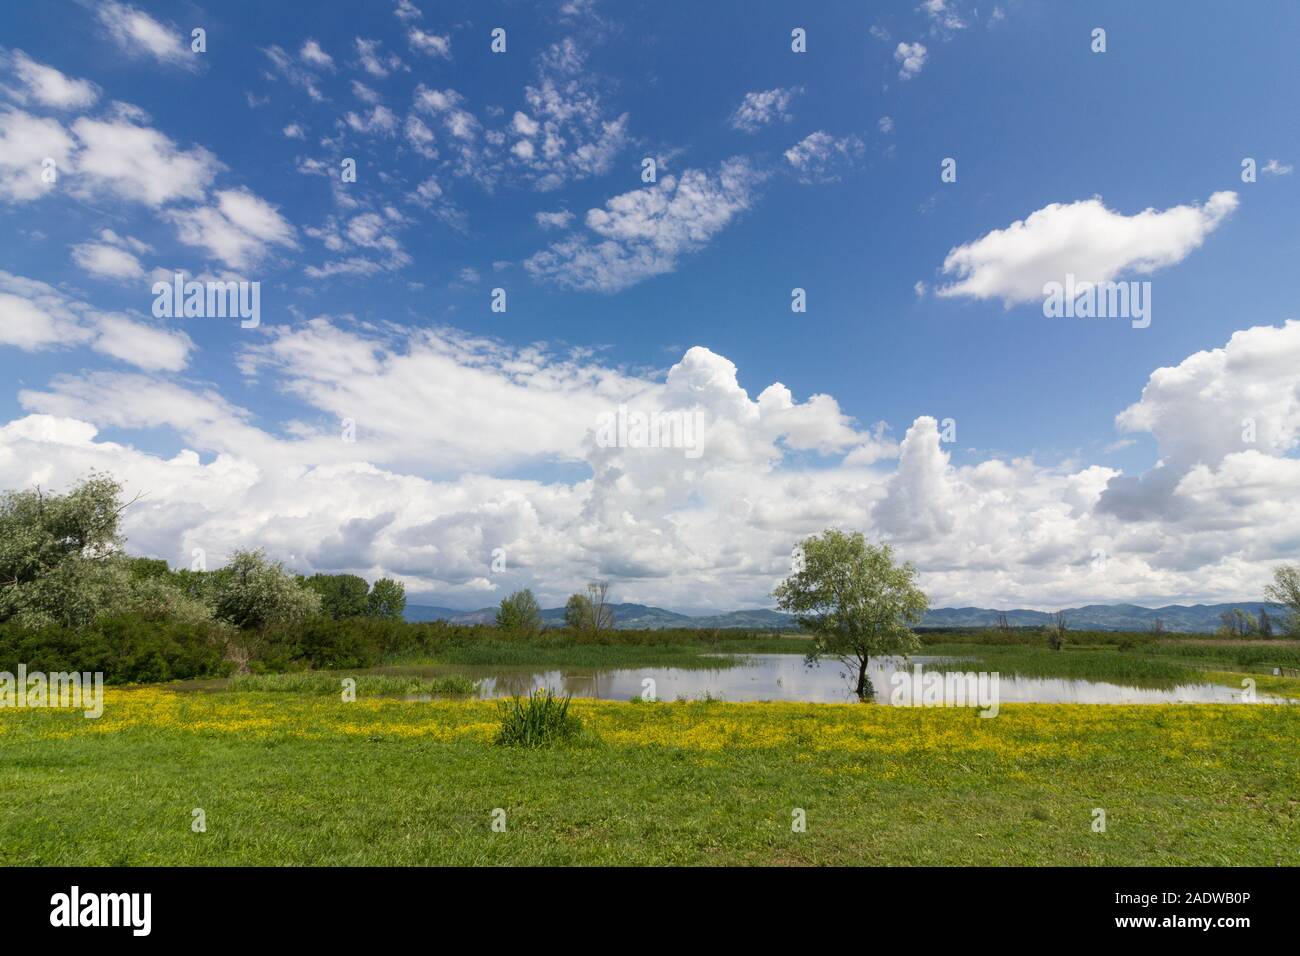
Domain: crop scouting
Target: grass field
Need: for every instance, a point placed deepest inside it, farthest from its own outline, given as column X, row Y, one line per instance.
column 298, row 778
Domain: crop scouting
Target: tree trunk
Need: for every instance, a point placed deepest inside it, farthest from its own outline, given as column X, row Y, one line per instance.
column 865, row 690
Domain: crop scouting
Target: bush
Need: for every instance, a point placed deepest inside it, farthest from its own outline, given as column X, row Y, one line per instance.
column 127, row 649
column 538, row 720
column 520, row 613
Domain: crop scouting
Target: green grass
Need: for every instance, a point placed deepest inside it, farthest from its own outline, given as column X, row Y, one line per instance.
column 367, row 685
column 300, row 779
column 539, row 720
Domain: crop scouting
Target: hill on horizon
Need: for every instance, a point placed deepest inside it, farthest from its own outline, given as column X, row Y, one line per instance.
column 1183, row 618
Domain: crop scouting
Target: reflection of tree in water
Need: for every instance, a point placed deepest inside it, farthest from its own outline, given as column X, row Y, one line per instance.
column 865, row 690
column 559, row 682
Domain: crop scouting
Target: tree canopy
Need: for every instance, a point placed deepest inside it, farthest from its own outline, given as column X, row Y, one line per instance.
column 854, row 600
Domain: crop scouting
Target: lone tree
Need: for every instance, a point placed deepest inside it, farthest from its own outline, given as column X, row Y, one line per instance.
column 854, row 600
column 520, row 613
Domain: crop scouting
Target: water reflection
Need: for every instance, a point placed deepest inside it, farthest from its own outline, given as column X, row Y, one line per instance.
column 786, row 677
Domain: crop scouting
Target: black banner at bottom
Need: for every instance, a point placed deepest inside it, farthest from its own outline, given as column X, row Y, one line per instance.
column 302, row 905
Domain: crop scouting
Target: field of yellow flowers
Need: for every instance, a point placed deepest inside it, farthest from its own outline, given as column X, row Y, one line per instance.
column 274, row 778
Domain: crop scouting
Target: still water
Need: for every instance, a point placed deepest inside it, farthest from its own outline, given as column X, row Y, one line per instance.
column 786, row 677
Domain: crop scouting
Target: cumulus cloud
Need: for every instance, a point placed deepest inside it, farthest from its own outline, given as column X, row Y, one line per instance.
column 759, row 109
column 36, row 317
column 312, row 53
column 407, row 11
column 45, row 85
column 944, row 17
column 911, row 58
column 1211, row 415
column 430, row 44
column 1082, row 238
column 111, row 256
column 379, row 121
column 239, row 230
column 643, row 233
column 26, row 141
column 375, row 62
column 559, row 219
column 445, row 418
column 139, row 35
column 139, row 163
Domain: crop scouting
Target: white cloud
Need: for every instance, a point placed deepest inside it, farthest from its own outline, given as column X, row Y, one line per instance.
column 365, row 93
column 26, row 141
column 36, row 317
column 379, row 121
column 643, row 233
column 1275, row 168
column 823, row 158
column 139, row 163
column 886, row 124
column 944, row 18
column 312, row 53
column 1206, row 413
column 761, row 108
column 111, row 257
column 303, row 77
column 911, row 58
column 46, row 85
column 239, row 230
column 431, row 44
column 140, row 35
column 1082, row 238
column 570, row 134
column 294, row 131
column 442, row 414
column 559, row 219
column 376, row 63
column 407, row 11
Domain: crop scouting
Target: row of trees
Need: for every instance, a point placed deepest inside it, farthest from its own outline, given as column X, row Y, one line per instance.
column 62, row 564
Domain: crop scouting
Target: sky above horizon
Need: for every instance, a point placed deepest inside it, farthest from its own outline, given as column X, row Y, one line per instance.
column 444, row 339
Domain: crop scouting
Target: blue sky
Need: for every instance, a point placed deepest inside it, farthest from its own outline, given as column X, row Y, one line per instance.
column 375, row 294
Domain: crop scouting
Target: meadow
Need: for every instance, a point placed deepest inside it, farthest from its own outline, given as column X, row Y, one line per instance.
column 286, row 773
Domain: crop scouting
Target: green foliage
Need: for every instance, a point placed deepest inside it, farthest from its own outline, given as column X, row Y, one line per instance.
column 341, row 595
column 387, row 599
column 854, row 600
column 538, row 720
column 590, row 610
column 577, row 612
column 126, row 648
column 520, row 613
column 1285, row 590
column 252, row 592
column 56, row 551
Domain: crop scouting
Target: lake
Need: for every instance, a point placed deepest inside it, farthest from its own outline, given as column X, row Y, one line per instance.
column 787, row 677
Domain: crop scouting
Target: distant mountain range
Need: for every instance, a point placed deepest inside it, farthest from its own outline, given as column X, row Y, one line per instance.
column 1195, row 618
